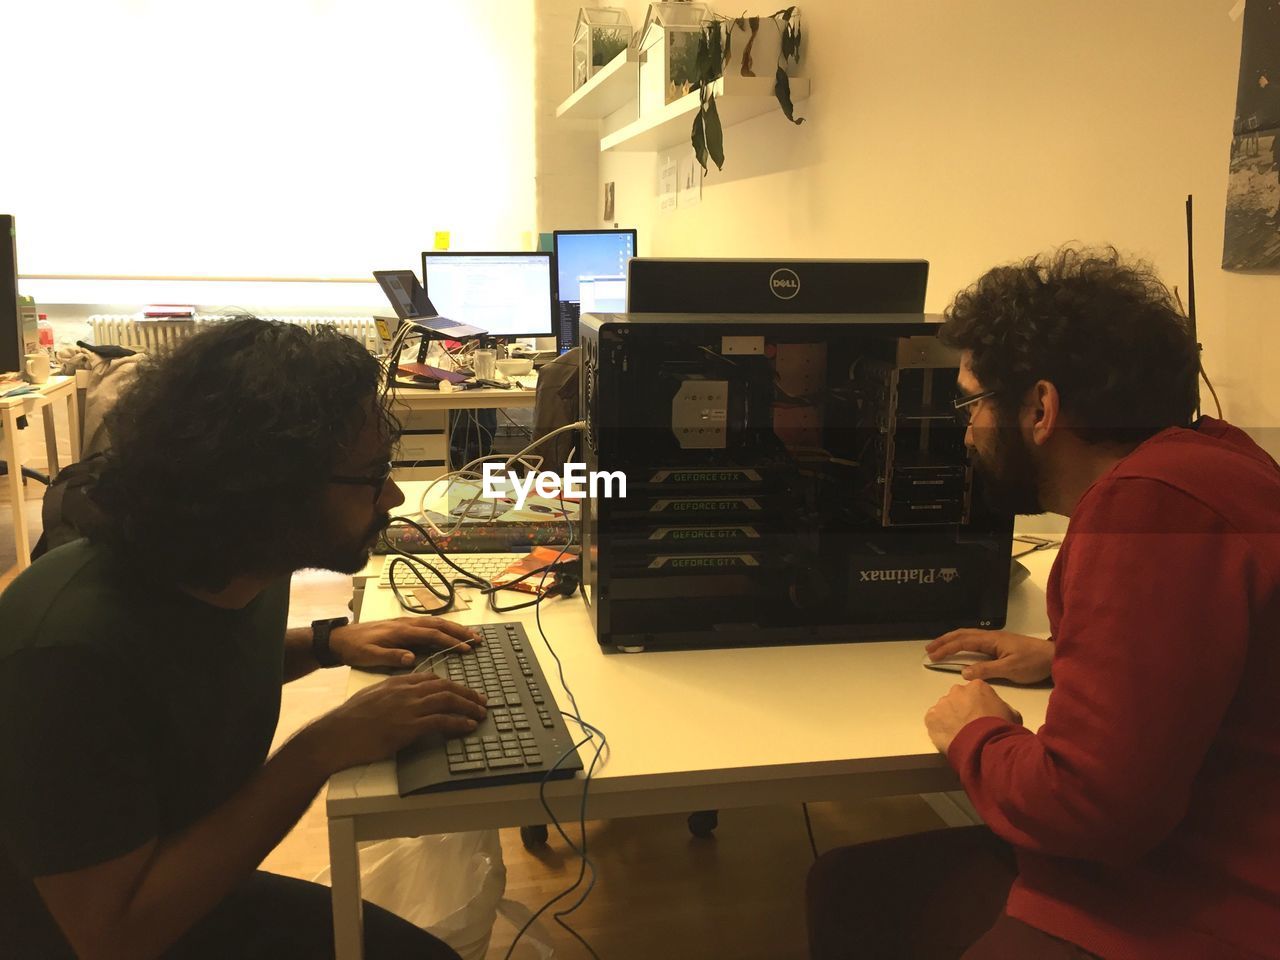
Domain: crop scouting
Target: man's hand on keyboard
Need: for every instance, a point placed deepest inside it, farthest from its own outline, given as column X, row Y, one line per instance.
column 392, row 643
column 379, row 720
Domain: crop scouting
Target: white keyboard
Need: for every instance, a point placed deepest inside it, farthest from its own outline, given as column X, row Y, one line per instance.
column 483, row 565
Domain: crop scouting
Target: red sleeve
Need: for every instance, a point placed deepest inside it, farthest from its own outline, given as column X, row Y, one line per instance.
column 1148, row 654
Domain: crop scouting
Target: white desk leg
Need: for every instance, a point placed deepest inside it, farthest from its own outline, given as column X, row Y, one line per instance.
column 348, row 906
column 9, row 453
column 73, row 425
column 50, row 440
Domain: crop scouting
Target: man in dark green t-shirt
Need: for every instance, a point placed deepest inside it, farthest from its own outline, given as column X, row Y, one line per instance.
column 140, row 668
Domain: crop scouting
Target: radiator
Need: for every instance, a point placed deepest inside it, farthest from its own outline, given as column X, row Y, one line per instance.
column 148, row 336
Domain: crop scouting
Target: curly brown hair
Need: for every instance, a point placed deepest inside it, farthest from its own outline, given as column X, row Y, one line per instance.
column 1105, row 331
column 221, row 447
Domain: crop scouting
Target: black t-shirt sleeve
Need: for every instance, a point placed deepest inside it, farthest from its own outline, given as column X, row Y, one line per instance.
column 77, row 787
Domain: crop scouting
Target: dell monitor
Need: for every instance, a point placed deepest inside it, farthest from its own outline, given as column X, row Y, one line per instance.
column 591, row 267
column 506, row 294
column 776, row 286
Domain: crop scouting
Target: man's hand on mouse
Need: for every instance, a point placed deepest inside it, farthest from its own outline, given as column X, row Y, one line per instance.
column 395, row 643
column 965, row 703
column 1017, row 658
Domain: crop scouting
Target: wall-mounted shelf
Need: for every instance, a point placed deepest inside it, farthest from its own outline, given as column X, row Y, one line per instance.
column 738, row 98
column 609, row 90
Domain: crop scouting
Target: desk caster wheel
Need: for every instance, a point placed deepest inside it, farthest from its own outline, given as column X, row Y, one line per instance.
column 533, row 836
column 703, row 823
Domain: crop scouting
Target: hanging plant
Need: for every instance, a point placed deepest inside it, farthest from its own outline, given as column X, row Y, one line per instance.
column 714, row 49
column 708, row 135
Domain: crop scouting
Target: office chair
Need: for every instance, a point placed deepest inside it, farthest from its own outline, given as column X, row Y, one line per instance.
column 555, row 404
column 27, row 472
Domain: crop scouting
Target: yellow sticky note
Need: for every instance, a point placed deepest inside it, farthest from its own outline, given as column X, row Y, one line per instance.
column 442, row 239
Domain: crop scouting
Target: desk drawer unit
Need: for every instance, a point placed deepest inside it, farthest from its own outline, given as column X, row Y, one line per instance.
column 423, row 452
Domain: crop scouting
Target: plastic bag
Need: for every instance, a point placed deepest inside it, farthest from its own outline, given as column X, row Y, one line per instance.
column 449, row 884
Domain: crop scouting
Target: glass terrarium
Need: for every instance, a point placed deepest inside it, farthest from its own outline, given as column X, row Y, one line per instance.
column 669, row 52
column 602, row 33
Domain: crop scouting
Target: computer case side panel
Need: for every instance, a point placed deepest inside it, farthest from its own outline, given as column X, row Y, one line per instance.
column 789, row 480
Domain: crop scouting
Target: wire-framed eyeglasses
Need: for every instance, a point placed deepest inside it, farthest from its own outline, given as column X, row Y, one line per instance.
column 378, row 481
column 964, row 405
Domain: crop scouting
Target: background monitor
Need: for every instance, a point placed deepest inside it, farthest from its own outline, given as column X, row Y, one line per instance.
column 656, row 285
column 591, row 269
column 506, row 294
column 11, row 345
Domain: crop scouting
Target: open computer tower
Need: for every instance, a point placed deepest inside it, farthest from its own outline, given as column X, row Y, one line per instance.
column 790, row 479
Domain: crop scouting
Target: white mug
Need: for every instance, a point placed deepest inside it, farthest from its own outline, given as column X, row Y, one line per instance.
column 38, row 367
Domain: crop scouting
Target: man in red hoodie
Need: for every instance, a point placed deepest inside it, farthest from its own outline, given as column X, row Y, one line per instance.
column 1142, row 821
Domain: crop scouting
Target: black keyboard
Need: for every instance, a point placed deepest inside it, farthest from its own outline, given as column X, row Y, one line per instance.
column 519, row 741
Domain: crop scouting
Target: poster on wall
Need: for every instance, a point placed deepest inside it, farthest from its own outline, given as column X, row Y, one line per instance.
column 1252, row 236
column 668, row 182
column 689, row 182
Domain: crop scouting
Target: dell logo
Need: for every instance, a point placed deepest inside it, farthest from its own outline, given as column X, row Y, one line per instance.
column 784, row 284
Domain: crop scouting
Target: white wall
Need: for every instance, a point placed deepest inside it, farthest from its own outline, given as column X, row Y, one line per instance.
column 972, row 132
column 314, row 138
column 568, row 162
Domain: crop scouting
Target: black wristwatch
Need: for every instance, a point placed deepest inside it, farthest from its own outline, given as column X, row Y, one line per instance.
column 320, row 630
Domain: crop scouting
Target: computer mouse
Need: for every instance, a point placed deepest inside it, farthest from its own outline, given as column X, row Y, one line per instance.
column 955, row 662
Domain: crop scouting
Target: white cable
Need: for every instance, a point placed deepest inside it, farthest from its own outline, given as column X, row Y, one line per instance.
column 467, row 473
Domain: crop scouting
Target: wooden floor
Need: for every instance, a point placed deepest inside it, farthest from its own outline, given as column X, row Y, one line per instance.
column 659, row 892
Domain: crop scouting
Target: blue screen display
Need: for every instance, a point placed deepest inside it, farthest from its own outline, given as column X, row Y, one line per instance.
column 598, row 257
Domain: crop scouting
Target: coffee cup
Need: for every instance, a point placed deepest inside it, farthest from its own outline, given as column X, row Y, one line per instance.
column 38, row 367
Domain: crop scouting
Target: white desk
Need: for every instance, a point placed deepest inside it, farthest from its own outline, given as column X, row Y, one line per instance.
column 480, row 399
column 56, row 390
column 425, row 417
column 689, row 730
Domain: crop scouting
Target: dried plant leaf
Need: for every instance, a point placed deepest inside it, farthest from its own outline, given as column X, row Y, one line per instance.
column 754, row 24
column 714, row 134
column 782, row 90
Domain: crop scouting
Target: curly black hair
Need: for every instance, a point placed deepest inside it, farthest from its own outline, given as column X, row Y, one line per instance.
column 1105, row 331
column 221, row 447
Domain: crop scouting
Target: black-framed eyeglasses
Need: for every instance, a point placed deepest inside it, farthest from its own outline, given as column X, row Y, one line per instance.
column 964, row 405
column 378, row 482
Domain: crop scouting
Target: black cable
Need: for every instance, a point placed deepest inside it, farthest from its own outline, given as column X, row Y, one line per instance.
column 493, row 590
column 586, row 785
column 469, row 579
column 416, row 564
column 808, row 825
column 585, row 861
column 1036, row 544
column 592, row 731
column 416, row 568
